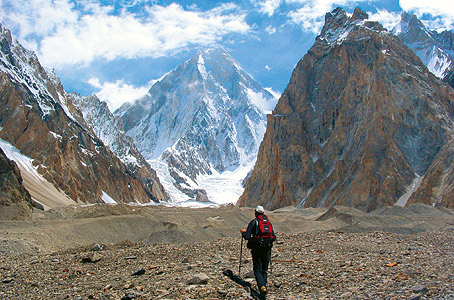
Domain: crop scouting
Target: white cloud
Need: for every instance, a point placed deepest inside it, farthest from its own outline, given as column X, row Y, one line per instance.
column 36, row 18
column 311, row 15
column 271, row 29
column 309, row 18
column 275, row 94
column 441, row 12
column 267, row 7
column 434, row 7
column 386, row 18
column 64, row 35
column 263, row 103
column 118, row 92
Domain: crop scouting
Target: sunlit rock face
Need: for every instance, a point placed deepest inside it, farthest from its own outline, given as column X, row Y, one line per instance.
column 39, row 119
column 362, row 123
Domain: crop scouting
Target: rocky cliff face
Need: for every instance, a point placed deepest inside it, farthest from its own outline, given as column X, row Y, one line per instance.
column 436, row 50
column 15, row 201
column 362, row 123
column 449, row 78
column 110, row 130
column 205, row 116
column 38, row 118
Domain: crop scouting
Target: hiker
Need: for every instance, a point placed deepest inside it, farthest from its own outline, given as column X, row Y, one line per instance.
column 260, row 236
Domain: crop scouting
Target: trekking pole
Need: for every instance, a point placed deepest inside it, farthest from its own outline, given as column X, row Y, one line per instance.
column 271, row 264
column 241, row 257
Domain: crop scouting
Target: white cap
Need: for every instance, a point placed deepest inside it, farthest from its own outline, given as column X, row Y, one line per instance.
column 260, row 209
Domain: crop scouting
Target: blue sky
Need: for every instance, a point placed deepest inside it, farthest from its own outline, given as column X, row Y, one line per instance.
column 117, row 49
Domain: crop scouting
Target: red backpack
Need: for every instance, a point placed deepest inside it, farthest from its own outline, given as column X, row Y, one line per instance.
column 265, row 229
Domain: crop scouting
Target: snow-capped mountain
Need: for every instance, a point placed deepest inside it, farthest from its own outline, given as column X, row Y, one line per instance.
column 208, row 116
column 109, row 129
column 436, row 50
column 39, row 123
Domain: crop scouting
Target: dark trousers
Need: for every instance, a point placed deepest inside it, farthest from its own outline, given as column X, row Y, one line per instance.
column 261, row 259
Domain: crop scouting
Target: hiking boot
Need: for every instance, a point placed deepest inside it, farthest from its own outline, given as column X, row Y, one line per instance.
column 263, row 291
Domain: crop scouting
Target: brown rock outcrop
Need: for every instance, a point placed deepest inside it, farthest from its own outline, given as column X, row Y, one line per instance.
column 360, row 120
column 38, row 118
column 15, row 201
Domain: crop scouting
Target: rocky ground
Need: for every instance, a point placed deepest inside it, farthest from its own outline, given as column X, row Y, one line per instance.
column 337, row 254
column 312, row 265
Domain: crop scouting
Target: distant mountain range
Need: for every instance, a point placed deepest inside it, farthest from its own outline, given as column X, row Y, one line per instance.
column 362, row 123
column 61, row 158
column 436, row 50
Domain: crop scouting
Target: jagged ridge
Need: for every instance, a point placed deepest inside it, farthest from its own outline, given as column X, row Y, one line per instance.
column 38, row 118
column 109, row 129
column 436, row 50
column 360, row 120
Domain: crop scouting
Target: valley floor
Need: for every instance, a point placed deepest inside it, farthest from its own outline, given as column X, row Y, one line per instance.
column 311, row 265
column 130, row 252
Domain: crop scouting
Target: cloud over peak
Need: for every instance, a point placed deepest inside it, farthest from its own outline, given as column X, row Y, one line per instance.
column 65, row 35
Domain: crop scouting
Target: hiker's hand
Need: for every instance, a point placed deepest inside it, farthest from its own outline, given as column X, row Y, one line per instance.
column 242, row 230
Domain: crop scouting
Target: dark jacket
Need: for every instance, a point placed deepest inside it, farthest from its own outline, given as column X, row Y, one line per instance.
column 251, row 235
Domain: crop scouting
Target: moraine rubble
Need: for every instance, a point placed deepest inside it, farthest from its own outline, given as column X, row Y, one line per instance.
column 310, row 265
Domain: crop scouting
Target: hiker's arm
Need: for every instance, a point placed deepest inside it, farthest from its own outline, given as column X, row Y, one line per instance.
column 247, row 235
column 274, row 236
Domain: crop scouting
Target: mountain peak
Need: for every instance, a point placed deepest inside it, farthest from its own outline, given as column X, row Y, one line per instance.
column 338, row 18
column 434, row 49
column 411, row 20
column 6, row 33
column 334, row 20
column 359, row 14
column 218, row 128
column 212, row 54
column 338, row 25
column 214, row 61
column 214, row 51
column 411, row 26
column 361, row 123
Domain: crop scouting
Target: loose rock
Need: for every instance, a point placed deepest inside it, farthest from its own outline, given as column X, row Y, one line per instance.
column 97, row 247
column 91, row 258
column 200, row 278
